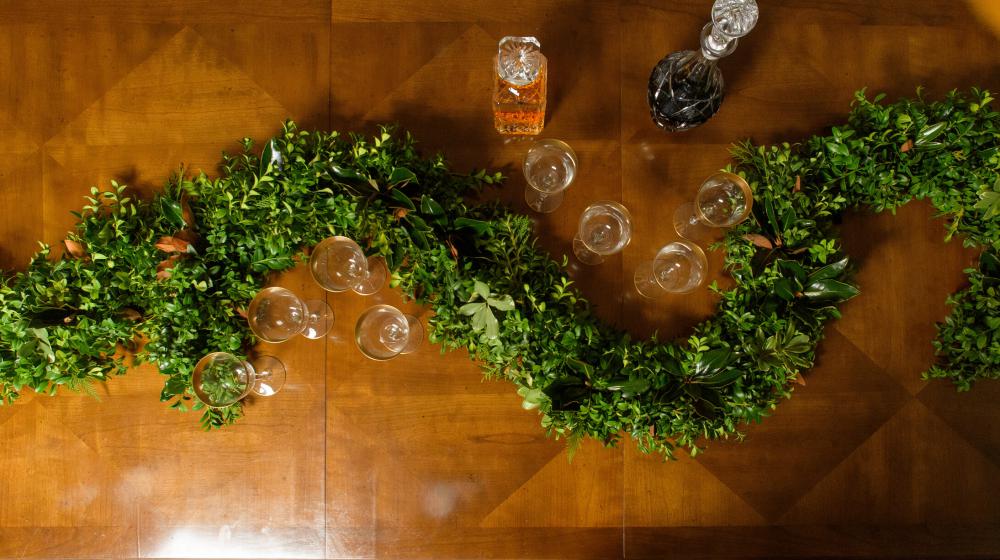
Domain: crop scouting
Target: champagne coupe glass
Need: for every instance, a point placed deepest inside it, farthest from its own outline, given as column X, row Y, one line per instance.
column 339, row 264
column 723, row 200
column 277, row 314
column 549, row 167
column 384, row 332
column 679, row 267
column 605, row 229
column 221, row 379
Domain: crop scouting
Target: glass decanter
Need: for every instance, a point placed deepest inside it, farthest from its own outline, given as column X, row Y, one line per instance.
column 686, row 87
column 519, row 87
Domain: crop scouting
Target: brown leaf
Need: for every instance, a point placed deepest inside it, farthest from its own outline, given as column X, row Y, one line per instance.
column 186, row 212
column 798, row 184
column 241, row 312
column 907, row 146
column 400, row 213
column 800, row 380
column 452, row 249
column 168, row 263
column 173, row 245
column 131, row 314
column 187, row 234
column 75, row 248
column 759, row 240
column 163, row 274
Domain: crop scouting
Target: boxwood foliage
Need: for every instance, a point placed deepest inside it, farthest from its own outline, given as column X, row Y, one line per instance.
column 166, row 280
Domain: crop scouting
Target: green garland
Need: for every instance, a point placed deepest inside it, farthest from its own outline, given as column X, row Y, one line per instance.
column 167, row 279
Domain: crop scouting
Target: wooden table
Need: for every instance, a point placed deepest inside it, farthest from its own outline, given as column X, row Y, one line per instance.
column 419, row 457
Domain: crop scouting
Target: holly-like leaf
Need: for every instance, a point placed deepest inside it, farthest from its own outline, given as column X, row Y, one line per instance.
column 989, row 202
column 481, row 289
column 830, row 271
column 403, row 200
column 503, row 303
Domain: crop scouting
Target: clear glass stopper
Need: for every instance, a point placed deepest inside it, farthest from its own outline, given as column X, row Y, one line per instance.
column 731, row 19
column 519, row 60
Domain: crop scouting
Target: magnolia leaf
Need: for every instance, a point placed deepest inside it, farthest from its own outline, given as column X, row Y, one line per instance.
column 503, row 303
column 347, row 174
column 759, row 240
column 481, row 289
column 174, row 245
column 830, row 271
column 830, row 291
column 173, row 212
column 928, row 133
column 270, row 158
column 479, row 226
column 74, row 248
column 783, row 289
column 712, row 362
column 401, row 175
column 723, row 378
column 400, row 197
column 430, row 206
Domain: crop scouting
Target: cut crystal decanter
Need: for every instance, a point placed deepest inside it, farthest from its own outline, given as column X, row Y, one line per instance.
column 686, row 88
column 519, row 89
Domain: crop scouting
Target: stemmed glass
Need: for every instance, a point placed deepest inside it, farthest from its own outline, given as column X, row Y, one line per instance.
column 679, row 267
column 723, row 200
column 549, row 167
column 277, row 314
column 339, row 264
column 605, row 229
column 221, row 379
column 384, row 332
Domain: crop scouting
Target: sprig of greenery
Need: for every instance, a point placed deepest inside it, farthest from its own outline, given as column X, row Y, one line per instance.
column 167, row 279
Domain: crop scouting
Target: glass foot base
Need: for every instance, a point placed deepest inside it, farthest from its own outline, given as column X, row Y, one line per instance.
column 584, row 254
column 269, row 376
column 686, row 224
column 320, row 319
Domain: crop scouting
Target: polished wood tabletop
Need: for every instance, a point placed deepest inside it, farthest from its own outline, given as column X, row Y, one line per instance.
column 419, row 457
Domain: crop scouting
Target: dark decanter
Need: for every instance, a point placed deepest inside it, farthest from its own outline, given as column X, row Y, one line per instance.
column 686, row 87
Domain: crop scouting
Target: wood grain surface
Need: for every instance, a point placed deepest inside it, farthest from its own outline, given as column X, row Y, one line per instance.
column 418, row 457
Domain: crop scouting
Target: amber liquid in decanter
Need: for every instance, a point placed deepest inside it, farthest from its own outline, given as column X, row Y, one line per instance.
column 519, row 109
column 519, row 87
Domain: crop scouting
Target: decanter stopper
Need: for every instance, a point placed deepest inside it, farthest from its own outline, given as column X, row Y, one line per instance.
column 686, row 87
column 519, row 86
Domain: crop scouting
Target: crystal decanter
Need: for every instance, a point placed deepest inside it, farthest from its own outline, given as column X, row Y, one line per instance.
column 686, row 88
column 519, row 89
